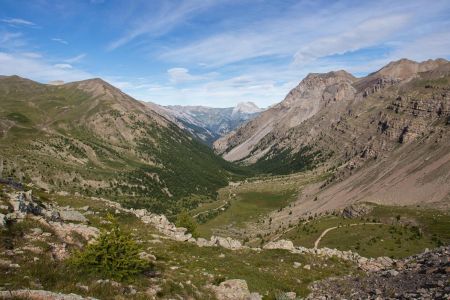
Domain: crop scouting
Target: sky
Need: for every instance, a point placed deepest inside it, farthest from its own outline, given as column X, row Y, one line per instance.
column 214, row 52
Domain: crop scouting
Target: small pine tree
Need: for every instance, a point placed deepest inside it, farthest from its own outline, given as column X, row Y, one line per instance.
column 185, row 220
column 114, row 255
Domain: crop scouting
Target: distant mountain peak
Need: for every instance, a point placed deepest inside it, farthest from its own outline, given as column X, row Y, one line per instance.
column 246, row 107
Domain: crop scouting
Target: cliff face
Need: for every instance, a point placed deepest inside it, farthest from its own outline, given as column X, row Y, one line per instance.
column 385, row 137
column 339, row 113
column 317, row 91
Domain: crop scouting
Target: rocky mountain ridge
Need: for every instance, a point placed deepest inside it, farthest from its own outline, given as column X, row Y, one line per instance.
column 209, row 123
column 392, row 118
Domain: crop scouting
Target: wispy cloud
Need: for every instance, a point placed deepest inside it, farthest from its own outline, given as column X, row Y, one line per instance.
column 17, row 22
column 75, row 59
column 61, row 41
column 11, row 40
column 363, row 35
column 304, row 36
column 63, row 66
column 168, row 16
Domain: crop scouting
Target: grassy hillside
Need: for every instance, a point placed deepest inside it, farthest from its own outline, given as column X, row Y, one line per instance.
column 89, row 137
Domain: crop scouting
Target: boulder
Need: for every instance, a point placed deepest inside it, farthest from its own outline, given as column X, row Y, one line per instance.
column 357, row 210
column 72, row 216
column 2, row 220
column 280, row 244
column 227, row 243
column 233, row 289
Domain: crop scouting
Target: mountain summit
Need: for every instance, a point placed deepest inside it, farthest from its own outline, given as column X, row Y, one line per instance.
column 246, row 108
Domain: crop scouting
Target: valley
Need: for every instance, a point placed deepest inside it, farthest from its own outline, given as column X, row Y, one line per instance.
column 346, row 178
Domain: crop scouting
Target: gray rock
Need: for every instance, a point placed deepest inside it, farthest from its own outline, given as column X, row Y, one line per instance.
column 2, row 220
column 72, row 216
column 233, row 289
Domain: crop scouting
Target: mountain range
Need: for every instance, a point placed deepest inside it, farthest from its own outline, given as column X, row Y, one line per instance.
column 383, row 137
column 91, row 138
column 380, row 125
column 208, row 123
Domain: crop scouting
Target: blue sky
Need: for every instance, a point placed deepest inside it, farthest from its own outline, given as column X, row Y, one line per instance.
column 214, row 52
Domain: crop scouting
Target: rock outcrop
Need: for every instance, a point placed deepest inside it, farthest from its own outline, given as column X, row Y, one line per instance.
column 423, row 276
column 234, row 289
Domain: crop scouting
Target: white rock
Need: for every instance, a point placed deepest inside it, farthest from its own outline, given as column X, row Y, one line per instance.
column 233, row 289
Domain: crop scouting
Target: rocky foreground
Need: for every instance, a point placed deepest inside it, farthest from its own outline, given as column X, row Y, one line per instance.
column 423, row 276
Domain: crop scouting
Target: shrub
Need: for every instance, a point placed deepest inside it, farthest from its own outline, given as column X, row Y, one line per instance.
column 114, row 255
column 188, row 222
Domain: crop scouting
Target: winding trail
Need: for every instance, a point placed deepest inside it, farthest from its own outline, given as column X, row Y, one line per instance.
column 316, row 243
column 213, row 209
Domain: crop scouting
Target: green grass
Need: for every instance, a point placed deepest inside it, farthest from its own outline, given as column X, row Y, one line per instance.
column 405, row 231
column 378, row 240
column 306, row 234
column 267, row 272
column 248, row 207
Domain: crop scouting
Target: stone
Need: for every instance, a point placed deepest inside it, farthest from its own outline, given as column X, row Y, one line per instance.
column 147, row 256
column 357, row 210
column 233, row 289
column 254, row 296
column 36, row 231
column 72, row 216
column 280, row 244
column 393, row 273
column 82, row 287
column 2, row 220
column 297, row 265
column 307, row 267
column 290, row 295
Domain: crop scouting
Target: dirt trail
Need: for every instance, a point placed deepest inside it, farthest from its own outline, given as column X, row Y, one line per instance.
column 316, row 243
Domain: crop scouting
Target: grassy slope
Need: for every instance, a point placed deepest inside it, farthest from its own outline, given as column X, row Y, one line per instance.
column 51, row 134
column 248, row 207
column 395, row 238
column 267, row 272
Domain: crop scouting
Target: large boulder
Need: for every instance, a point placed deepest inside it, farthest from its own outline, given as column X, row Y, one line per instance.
column 280, row 244
column 227, row 242
column 72, row 216
column 233, row 289
column 357, row 210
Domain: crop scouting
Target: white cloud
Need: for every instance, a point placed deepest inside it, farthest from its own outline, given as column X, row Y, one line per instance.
column 363, row 35
column 75, row 59
column 38, row 69
column 304, row 36
column 11, row 40
column 178, row 75
column 63, row 66
column 17, row 21
column 61, row 41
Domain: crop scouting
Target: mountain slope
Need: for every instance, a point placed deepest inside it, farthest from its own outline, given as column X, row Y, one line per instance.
column 209, row 123
column 388, row 131
column 91, row 138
